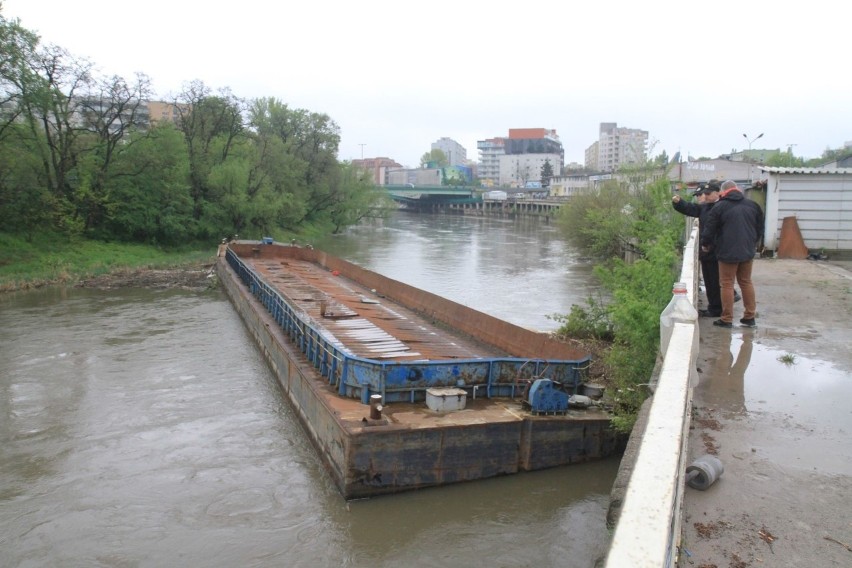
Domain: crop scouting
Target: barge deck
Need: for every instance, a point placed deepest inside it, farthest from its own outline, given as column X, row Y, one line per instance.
column 338, row 336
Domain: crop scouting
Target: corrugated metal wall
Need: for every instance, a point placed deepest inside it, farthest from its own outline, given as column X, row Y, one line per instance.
column 821, row 204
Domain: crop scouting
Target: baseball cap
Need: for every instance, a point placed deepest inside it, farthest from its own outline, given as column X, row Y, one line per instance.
column 700, row 190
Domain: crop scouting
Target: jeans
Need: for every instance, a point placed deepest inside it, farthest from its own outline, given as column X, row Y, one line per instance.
column 710, row 271
column 741, row 271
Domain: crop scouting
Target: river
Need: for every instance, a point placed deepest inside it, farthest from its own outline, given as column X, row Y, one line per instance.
column 143, row 428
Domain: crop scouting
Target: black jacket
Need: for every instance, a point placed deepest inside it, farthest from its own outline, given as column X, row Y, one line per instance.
column 734, row 227
column 700, row 210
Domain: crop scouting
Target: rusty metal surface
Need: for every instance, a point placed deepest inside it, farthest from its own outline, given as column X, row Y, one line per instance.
column 366, row 324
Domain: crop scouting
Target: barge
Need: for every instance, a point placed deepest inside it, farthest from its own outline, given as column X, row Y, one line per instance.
column 401, row 389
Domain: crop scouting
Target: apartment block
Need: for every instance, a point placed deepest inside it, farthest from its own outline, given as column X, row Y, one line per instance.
column 379, row 167
column 160, row 111
column 617, row 147
column 456, row 153
column 488, row 168
column 516, row 160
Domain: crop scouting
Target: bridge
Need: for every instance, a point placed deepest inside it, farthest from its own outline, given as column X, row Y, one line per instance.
column 432, row 196
column 467, row 200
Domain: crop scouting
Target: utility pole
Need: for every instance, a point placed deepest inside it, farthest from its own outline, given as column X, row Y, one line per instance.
column 751, row 164
column 790, row 153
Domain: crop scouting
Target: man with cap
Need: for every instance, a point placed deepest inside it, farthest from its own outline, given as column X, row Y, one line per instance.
column 707, row 194
column 732, row 230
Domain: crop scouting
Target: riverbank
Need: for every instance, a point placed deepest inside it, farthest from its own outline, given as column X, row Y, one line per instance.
column 52, row 260
column 193, row 276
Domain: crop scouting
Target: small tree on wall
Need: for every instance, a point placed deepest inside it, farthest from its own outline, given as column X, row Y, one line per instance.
column 436, row 157
column 546, row 173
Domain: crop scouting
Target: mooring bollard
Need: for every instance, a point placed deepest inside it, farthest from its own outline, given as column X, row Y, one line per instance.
column 375, row 407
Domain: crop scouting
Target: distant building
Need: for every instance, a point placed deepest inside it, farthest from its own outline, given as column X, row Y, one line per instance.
column 617, row 147
column 518, row 170
column 756, row 156
column 518, row 159
column 379, row 167
column 569, row 184
column 455, row 152
column 160, row 111
column 698, row 171
column 415, row 176
column 488, row 168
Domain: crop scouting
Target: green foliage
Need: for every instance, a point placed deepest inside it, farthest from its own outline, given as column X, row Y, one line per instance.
column 78, row 156
column 635, row 236
column 546, row 173
column 54, row 258
column 150, row 192
column 785, row 160
column 591, row 321
column 598, row 223
column 434, row 159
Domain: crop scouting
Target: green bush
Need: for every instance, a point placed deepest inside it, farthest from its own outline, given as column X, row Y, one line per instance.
column 634, row 235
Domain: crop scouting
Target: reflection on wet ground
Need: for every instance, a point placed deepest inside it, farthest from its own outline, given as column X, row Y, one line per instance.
column 808, row 397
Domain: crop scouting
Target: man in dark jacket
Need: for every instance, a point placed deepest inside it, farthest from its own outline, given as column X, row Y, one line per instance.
column 733, row 229
column 707, row 195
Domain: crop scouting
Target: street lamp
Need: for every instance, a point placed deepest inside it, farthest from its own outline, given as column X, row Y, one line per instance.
column 752, row 140
column 749, row 153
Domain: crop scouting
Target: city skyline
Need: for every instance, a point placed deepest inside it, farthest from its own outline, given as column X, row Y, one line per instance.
column 395, row 79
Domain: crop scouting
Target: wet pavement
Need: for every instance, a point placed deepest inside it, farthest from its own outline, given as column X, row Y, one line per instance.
column 774, row 404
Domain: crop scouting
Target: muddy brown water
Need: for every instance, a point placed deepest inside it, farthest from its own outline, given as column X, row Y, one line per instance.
column 143, row 428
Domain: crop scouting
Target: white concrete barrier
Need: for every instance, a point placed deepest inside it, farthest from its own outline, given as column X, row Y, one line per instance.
column 648, row 530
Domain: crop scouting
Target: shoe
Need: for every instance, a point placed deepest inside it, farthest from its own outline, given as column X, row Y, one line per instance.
column 748, row 322
column 721, row 323
column 737, row 297
column 708, row 314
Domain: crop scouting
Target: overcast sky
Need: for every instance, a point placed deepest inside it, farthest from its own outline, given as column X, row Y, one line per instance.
column 397, row 76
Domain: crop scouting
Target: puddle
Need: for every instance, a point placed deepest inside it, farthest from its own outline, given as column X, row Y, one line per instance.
column 799, row 412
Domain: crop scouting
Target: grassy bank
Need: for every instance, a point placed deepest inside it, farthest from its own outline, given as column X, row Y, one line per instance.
column 54, row 259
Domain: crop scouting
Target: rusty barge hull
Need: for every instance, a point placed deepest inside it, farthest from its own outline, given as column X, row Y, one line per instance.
column 302, row 305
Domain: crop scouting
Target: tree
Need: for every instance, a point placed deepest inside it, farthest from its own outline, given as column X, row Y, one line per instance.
column 78, row 152
column 358, row 198
column 434, row 159
column 522, row 172
column 784, row 160
column 150, row 191
column 114, row 115
column 305, row 148
column 211, row 125
column 546, row 173
column 17, row 51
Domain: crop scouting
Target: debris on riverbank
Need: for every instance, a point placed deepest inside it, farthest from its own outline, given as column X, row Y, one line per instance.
column 195, row 277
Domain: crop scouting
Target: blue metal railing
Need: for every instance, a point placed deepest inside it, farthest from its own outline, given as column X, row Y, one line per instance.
column 359, row 377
